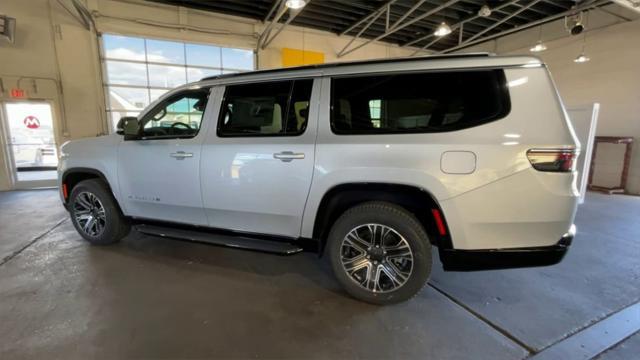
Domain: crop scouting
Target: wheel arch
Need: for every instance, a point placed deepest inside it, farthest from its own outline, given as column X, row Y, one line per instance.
column 71, row 177
column 420, row 202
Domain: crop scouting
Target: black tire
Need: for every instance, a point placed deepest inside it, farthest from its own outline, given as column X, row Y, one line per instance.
column 406, row 226
column 114, row 227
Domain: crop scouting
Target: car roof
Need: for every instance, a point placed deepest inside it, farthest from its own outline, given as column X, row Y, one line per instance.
column 431, row 62
column 350, row 63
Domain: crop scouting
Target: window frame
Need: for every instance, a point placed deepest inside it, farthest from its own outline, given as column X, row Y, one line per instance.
column 223, row 104
column 148, row 113
column 502, row 83
column 106, row 84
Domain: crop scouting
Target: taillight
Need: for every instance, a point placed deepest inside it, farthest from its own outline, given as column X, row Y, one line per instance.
column 553, row 160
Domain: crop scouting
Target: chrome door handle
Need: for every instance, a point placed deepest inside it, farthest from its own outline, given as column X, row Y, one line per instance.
column 288, row 156
column 180, row 155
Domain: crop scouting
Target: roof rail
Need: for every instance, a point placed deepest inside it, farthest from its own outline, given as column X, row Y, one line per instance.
column 357, row 62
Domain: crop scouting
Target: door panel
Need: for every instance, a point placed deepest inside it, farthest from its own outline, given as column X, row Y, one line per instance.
column 259, row 184
column 160, row 177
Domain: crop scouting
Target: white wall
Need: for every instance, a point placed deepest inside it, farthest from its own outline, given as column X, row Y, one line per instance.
column 52, row 48
column 612, row 77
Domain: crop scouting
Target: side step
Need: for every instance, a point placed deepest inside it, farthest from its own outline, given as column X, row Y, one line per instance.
column 239, row 241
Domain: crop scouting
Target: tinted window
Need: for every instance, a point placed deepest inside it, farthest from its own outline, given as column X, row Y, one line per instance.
column 410, row 103
column 265, row 109
column 178, row 116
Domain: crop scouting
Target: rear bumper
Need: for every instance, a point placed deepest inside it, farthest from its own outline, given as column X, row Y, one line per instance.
column 471, row 260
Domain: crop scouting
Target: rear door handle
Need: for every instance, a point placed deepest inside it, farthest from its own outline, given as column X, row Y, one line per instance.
column 288, row 156
column 181, row 155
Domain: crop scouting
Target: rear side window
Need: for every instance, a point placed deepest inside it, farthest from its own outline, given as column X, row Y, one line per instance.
column 417, row 103
column 265, row 109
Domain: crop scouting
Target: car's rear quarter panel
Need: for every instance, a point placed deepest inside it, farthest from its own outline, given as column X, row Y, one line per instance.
column 504, row 203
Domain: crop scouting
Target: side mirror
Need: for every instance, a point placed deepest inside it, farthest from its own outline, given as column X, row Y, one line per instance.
column 130, row 127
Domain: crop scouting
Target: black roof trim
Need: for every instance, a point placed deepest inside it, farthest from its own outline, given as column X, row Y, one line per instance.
column 349, row 63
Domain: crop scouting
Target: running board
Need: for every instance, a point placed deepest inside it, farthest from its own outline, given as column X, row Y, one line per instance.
column 239, row 241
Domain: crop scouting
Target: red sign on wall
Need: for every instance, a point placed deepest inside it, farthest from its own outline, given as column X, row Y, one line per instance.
column 31, row 122
column 17, row 93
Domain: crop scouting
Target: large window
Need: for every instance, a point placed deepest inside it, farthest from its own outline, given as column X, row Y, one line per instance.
column 424, row 102
column 265, row 109
column 138, row 70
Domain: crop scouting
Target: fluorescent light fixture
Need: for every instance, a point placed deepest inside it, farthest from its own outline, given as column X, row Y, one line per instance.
column 442, row 30
column 539, row 47
column 581, row 59
column 295, row 4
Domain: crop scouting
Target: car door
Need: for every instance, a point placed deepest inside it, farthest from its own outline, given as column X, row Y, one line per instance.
column 159, row 173
column 257, row 164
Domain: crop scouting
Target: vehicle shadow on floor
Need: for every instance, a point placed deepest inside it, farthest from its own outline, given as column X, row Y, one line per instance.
column 201, row 257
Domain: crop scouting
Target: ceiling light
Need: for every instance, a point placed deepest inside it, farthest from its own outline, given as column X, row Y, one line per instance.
column 574, row 24
column 442, row 30
column 295, row 4
column 539, row 47
column 485, row 11
column 581, row 59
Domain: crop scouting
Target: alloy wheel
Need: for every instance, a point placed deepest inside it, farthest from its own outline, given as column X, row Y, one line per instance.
column 89, row 214
column 376, row 257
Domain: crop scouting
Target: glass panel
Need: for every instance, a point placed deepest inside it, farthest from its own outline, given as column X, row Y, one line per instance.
column 123, row 47
column 195, row 74
column 203, row 55
column 156, row 93
column 126, row 73
column 32, row 139
column 265, row 109
column 237, row 59
column 179, row 116
column 167, row 76
column 389, row 104
column 121, row 98
column 168, row 52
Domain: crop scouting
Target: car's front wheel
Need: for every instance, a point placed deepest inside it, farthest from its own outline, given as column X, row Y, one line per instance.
column 95, row 213
column 380, row 253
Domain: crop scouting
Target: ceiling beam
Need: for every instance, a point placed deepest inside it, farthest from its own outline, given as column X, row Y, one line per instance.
column 583, row 7
column 380, row 10
column 528, row 6
column 398, row 27
column 276, row 3
column 292, row 15
column 453, row 27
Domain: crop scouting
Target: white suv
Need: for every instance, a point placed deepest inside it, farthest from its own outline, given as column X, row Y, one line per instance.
column 369, row 163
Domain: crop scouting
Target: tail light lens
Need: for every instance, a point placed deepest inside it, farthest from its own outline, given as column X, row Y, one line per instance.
column 553, row 160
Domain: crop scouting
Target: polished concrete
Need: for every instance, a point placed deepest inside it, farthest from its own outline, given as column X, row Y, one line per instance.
column 153, row 297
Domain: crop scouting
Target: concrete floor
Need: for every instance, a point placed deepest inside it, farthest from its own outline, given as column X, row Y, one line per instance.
column 154, row 297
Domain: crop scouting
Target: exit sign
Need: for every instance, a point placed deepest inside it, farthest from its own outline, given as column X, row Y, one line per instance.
column 17, row 93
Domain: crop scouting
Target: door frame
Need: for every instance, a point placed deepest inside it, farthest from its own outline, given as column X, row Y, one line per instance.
column 10, row 167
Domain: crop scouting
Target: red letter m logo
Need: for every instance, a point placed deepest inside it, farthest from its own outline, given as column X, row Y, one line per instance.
column 32, row 122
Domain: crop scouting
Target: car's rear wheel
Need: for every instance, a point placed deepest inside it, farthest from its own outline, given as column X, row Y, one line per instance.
column 95, row 213
column 380, row 253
